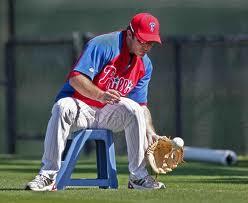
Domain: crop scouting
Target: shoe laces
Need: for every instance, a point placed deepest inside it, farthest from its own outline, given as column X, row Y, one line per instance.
column 151, row 180
column 40, row 179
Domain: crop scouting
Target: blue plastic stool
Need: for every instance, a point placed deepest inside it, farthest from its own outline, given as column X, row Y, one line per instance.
column 105, row 155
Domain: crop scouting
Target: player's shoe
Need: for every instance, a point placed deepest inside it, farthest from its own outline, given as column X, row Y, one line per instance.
column 41, row 183
column 147, row 182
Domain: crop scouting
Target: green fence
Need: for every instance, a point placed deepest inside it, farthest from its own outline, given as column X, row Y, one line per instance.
column 198, row 90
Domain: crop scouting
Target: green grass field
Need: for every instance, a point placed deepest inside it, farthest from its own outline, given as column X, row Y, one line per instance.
column 191, row 182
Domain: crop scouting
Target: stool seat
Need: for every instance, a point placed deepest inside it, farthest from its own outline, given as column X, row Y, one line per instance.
column 105, row 155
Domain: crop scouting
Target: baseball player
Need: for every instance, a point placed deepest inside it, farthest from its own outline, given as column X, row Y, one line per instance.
column 107, row 88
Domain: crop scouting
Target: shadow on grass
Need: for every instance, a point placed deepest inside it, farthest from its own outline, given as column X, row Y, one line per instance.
column 20, row 164
column 12, row 189
column 122, row 169
column 207, row 169
column 19, row 170
column 89, row 166
column 210, row 171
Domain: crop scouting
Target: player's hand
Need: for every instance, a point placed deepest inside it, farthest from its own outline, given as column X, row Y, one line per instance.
column 110, row 97
column 152, row 138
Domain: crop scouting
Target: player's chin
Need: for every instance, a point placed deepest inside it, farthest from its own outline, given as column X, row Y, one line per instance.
column 141, row 54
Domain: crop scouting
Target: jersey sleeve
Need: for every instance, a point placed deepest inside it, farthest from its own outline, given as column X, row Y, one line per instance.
column 94, row 57
column 140, row 91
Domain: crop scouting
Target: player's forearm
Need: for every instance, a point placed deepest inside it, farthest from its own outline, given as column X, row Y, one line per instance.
column 149, row 126
column 85, row 87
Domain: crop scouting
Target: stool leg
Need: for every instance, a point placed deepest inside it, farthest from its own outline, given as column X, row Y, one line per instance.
column 64, row 174
column 106, row 165
column 101, row 161
column 111, row 162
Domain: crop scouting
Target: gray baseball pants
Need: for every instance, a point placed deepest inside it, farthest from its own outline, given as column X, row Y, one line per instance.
column 70, row 115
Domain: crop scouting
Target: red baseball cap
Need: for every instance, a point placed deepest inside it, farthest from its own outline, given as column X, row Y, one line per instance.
column 145, row 27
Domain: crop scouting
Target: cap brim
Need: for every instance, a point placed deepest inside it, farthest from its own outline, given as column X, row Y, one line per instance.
column 148, row 38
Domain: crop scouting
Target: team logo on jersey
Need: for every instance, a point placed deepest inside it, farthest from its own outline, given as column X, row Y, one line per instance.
column 113, row 81
column 91, row 70
column 152, row 26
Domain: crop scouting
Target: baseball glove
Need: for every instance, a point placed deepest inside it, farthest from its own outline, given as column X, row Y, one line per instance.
column 163, row 155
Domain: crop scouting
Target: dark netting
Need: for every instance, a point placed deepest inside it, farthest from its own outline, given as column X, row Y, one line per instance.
column 2, row 117
column 214, row 100
column 40, row 72
column 2, row 101
column 162, row 89
column 214, row 95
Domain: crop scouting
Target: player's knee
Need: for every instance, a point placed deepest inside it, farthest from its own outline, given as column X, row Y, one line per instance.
column 131, row 107
column 66, row 109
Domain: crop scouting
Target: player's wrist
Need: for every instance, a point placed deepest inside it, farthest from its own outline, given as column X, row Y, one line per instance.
column 155, row 136
column 100, row 96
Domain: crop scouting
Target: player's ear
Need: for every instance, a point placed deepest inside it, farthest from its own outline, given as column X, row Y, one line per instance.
column 129, row 34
